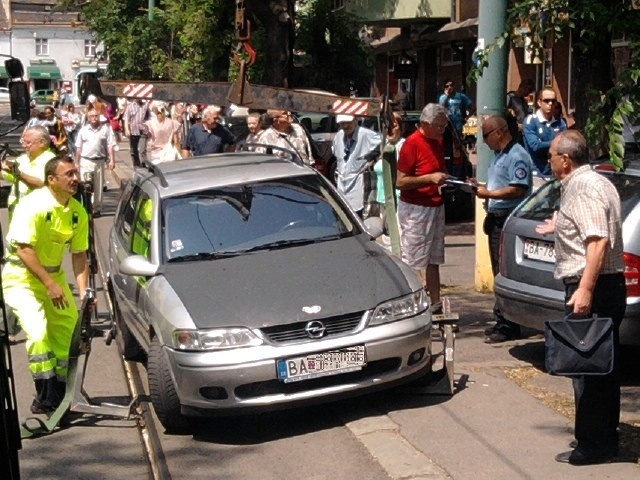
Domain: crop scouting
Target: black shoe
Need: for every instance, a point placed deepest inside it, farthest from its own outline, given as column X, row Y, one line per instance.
column 490, row 330
column 576, row 457
column 500, row 337
column 573, row 444
column 38, row 408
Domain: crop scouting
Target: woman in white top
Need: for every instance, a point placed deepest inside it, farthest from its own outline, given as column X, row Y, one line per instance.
column 162, row 131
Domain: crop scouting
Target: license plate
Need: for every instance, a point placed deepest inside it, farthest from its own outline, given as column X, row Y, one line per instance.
column 539, row 250
column 322, row 364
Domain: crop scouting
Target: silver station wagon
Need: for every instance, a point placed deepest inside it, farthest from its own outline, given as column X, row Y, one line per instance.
column 525, row 289
column 246, row 283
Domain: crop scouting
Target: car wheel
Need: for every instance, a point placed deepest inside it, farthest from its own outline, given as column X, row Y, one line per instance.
column 129, row 346
column 164, row 397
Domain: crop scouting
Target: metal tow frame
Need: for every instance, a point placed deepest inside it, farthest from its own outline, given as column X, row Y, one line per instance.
column 76, row 398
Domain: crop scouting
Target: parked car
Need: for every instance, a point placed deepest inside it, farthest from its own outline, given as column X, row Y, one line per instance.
column 42, row 96
column 525, row 289
column 4, row 95
column 247, row 284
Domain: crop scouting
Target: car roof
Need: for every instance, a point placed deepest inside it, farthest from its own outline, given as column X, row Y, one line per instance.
column 219, row 170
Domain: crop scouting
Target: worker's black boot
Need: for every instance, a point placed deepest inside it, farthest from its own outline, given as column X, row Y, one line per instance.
column 47, row 398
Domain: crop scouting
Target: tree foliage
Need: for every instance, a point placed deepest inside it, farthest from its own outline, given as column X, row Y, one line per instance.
column 187, row 40
column 602, row 101
column 333, row 54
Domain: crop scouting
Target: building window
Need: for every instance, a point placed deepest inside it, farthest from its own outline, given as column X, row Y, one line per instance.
column 42, row 46
column 90, row 48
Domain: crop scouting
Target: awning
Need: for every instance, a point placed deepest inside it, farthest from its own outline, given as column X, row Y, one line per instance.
column 82, row 70
column 51, row 72
column 3, row 72
column 451, row 32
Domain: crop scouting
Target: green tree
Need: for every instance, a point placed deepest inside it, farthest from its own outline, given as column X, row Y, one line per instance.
column 335, row 57
column 602, row 101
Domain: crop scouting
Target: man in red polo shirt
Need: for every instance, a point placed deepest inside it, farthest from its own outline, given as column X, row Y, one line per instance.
column 421, row 173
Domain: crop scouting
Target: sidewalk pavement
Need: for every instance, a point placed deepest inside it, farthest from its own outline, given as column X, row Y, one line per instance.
column 491, row 428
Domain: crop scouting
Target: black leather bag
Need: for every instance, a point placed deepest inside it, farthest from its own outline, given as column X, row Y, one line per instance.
column 575, row 347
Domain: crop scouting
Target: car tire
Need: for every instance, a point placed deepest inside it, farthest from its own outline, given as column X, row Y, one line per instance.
column 164, row 397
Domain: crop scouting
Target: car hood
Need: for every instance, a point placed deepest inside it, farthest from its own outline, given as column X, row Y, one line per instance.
column 272, row 287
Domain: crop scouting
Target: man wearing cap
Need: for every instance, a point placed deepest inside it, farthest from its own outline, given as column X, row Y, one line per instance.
column 356, row 150
column 421, row 173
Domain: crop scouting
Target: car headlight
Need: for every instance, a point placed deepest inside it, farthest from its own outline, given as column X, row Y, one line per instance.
column 399, row 308
column 217, row 339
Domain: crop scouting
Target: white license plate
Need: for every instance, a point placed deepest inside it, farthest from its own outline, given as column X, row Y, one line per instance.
column 322, row 364
column 539, row 250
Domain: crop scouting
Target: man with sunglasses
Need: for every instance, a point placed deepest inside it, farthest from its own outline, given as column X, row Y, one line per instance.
column 458, row 105
column 540, row 128
column 509, row 181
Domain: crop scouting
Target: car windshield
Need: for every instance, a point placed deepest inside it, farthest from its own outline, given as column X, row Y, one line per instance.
column 546, row 199
column 241, row 219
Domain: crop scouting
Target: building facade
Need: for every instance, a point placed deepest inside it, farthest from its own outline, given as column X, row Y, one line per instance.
column 53, row 45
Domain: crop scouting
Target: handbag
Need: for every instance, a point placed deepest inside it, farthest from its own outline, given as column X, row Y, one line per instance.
column 575, row 347
column 169, row 153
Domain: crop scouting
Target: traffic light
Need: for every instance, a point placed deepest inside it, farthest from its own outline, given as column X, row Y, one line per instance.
column 20, row 100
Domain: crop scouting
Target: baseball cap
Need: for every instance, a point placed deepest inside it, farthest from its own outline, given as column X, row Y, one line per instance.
column 91, row 98
column 344, row 118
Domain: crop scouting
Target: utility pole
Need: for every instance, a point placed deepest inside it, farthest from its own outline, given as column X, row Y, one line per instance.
column 491, row 95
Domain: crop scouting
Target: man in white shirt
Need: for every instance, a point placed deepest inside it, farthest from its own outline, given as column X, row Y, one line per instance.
column 94, row 147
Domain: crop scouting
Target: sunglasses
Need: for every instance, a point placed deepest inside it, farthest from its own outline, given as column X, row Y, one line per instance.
column 486, row 135
column 447, row 85
column 548, row 100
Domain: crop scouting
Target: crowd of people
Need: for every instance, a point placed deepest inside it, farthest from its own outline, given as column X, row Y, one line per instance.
column 63, row 147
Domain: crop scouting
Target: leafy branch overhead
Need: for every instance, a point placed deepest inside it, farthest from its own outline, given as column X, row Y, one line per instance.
column 602, row 104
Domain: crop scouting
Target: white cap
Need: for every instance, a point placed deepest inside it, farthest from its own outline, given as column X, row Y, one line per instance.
column 344, row 118
column 91, row 98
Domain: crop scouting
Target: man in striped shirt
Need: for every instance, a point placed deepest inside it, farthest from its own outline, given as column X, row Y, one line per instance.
column 136, row 113
column 589, row 260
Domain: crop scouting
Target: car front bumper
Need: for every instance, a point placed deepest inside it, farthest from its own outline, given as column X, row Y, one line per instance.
column 245, row 380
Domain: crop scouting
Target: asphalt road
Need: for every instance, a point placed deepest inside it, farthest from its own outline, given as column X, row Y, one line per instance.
column 491, row 428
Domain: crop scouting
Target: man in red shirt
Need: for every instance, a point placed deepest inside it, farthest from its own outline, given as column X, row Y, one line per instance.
column 421, row 173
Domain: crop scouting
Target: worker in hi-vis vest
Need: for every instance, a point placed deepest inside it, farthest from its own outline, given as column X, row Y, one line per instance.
column 45, row 224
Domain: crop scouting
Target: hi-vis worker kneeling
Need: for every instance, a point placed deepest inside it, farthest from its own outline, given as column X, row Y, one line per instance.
column 45, row 223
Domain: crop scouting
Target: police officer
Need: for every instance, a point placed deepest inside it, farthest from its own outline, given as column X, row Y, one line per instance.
column 46, row 223
column 509, row 181
column 28, row 170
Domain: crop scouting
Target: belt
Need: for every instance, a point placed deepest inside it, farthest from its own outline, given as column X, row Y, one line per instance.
column 97, row 159
column 573, row 280
column 501, row 213
column 20, row 263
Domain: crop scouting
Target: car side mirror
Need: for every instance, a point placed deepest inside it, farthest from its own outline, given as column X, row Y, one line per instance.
column 139, row 266
column 374, row 226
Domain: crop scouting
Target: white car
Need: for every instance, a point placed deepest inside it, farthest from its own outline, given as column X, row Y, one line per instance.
column 4, row 95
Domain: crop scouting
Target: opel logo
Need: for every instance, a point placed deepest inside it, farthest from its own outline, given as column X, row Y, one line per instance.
column 315, row 329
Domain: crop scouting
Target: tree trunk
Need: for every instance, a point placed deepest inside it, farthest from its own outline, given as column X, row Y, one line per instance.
column 277, row 17
column 592, row 68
